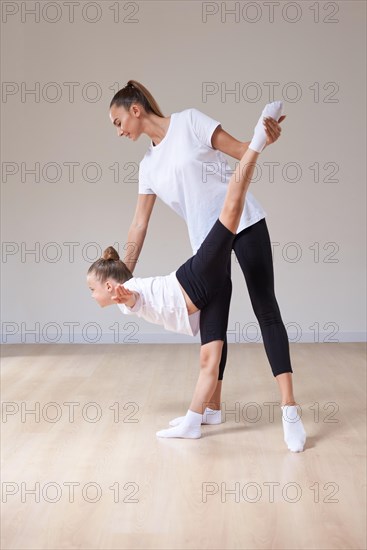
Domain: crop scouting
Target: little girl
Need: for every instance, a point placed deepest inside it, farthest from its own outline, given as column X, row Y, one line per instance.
column 183, row 301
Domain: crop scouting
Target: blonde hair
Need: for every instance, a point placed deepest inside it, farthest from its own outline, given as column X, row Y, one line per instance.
column 134, row 92
column 109, row 266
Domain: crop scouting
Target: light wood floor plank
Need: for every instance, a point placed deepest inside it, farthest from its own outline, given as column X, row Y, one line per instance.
column 212, row 493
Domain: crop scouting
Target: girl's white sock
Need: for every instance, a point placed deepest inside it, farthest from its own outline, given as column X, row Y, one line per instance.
column 294, row 432
column 274, row 110
column 210, row 416
column 189, row 428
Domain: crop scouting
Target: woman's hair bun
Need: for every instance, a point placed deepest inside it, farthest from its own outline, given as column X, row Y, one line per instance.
column 110, row 254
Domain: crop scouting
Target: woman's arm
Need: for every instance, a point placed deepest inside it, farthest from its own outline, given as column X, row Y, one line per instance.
column 229, row 145
column 138, row 229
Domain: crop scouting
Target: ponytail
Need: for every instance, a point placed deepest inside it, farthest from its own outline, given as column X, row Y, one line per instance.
column 134, row 92
column 110, row 267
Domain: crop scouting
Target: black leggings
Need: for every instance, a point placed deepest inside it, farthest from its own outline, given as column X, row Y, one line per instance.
column 206, row 277
column 253, row 250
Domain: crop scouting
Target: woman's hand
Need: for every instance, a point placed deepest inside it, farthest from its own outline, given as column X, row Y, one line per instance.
column 272, row 129
column 122, row 295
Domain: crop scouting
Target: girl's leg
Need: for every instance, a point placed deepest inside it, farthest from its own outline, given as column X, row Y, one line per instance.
column 216, row 398
column 219, row 310
column 236, row 191
column 212, row 413
column 213, row 328
column 208, row 378
column 215, row 401
column 240, row 180
column 190, row 427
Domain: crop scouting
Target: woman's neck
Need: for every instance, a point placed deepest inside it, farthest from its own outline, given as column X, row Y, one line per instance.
column 156, row 127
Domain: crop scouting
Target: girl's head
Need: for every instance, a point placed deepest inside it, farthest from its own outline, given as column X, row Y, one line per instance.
column 129, row 108
column 105, row 274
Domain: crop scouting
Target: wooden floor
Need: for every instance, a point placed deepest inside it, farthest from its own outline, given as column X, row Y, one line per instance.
column 238, row 487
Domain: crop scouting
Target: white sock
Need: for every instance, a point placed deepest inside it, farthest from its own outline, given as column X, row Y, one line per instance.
column 210, row 416
column 274, row 110
column 189, row 428
column 294, row 432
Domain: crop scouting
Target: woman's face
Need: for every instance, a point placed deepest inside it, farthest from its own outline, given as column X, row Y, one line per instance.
column 128, row 123
column 101, row 292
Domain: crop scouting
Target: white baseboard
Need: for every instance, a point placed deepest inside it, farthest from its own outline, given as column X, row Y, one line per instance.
column 173, row 338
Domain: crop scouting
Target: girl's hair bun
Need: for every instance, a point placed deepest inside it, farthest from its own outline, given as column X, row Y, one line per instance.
column 110, row 254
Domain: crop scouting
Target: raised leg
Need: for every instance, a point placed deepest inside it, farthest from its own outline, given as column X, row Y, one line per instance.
column 236, row 192
column 240, row 180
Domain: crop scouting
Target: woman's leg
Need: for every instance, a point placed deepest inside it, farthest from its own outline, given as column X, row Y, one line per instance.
column 253, row 250
column 285, row 385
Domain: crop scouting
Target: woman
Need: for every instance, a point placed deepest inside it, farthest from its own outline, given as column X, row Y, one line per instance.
column 185, row 167
column 173, row 299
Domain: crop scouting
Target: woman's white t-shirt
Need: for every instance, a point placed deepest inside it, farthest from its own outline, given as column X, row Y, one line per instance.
column 191, row 177
column 161, row 302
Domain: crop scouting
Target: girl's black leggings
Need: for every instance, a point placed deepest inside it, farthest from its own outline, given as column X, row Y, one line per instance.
column 206, row 277
column 253, row 250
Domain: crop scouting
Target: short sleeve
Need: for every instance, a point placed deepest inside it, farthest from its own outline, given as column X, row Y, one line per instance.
column 123, row 309
column 144, row 184
column 203, row 126
column 137, row 306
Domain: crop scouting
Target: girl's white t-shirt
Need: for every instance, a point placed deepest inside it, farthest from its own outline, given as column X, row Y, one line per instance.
column 191, row 177
column 161, row 302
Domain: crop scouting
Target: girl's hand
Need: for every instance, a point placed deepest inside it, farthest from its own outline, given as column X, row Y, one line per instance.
column 272, row 129
column 122, row 295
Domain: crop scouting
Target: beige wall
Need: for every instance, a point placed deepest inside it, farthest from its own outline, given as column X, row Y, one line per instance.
column 181, row 51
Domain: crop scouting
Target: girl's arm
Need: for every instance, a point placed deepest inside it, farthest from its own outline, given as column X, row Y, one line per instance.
column 229, row 145
column 125, row 296
column 138, row 229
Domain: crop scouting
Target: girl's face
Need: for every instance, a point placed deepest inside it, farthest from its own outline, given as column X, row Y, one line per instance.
column 128, row 123
column 102, row 292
